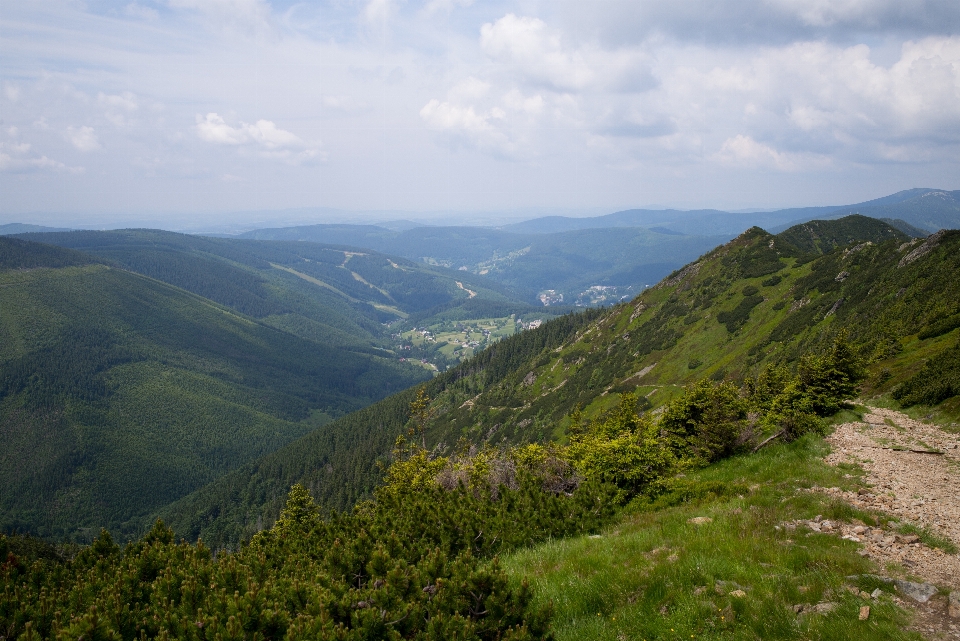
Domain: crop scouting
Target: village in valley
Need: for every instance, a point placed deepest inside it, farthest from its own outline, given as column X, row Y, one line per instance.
column 442, row 345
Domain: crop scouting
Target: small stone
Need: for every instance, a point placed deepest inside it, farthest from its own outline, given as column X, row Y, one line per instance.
column 919, row 592
column 738, row 593
column 818, row 518
column 859, row 529
column 798, row 608
column 907, row 538
column 876, row 593
column 865, row 613
column 823, row 608
column 864, row 595
column 700, row 520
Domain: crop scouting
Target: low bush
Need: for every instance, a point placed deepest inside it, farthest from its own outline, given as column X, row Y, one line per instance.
column 936, row 382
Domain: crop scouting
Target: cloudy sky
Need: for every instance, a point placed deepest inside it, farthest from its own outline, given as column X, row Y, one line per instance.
column 192, row 108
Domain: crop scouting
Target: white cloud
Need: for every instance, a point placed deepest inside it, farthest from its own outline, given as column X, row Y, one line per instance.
column 824, row 95
column 536, row 51
column 125, row 101
column 444, row 6
column 273, row 141
column 214, row 129
column 11, row 91
column 83, row 138
column 461, row 125
column 515, row 100
column 250, row 16
column 744, row 151
column 14, row 159
column 11, row 164
column 378, row 11
column 141, row 12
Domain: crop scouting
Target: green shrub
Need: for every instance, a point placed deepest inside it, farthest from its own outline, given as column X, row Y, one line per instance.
column 936, row 382
column 706, row 423
column 737, row 317
column 621, row 448
column 940, row 328
column 830, row 380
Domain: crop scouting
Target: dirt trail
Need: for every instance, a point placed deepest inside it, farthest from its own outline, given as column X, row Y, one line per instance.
column 914, row 470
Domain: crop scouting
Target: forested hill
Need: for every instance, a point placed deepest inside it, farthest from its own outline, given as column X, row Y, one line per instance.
column 120, row 393
column 342, row 463
column 333, row 294
column 756, row 301
column 566, row 262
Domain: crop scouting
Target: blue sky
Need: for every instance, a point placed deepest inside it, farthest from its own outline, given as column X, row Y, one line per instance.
column 188, row 109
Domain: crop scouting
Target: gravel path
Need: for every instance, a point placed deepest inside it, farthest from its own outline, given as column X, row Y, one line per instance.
column 914, row 470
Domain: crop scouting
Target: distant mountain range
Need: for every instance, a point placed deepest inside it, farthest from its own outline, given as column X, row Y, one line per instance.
column 926, row 209
column 559, row 260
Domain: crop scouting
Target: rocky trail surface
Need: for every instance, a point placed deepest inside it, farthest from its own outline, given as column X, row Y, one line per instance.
column 913, row 473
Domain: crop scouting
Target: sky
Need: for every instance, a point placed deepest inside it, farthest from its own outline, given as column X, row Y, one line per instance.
column 204, row 111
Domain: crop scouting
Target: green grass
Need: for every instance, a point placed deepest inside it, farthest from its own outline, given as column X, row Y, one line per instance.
column 653, row 575
column 928, row 538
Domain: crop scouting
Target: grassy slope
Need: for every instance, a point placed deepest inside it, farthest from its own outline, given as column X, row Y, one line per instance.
column 653, row 575
column 672, row 333
column 119, row 394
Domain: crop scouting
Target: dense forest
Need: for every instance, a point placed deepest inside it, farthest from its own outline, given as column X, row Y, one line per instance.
column 120, row 394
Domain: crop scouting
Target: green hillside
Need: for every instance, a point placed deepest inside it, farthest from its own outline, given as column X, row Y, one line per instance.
column 120, row 393
column 548, row 489
column 756, row 301
column 821, row 236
